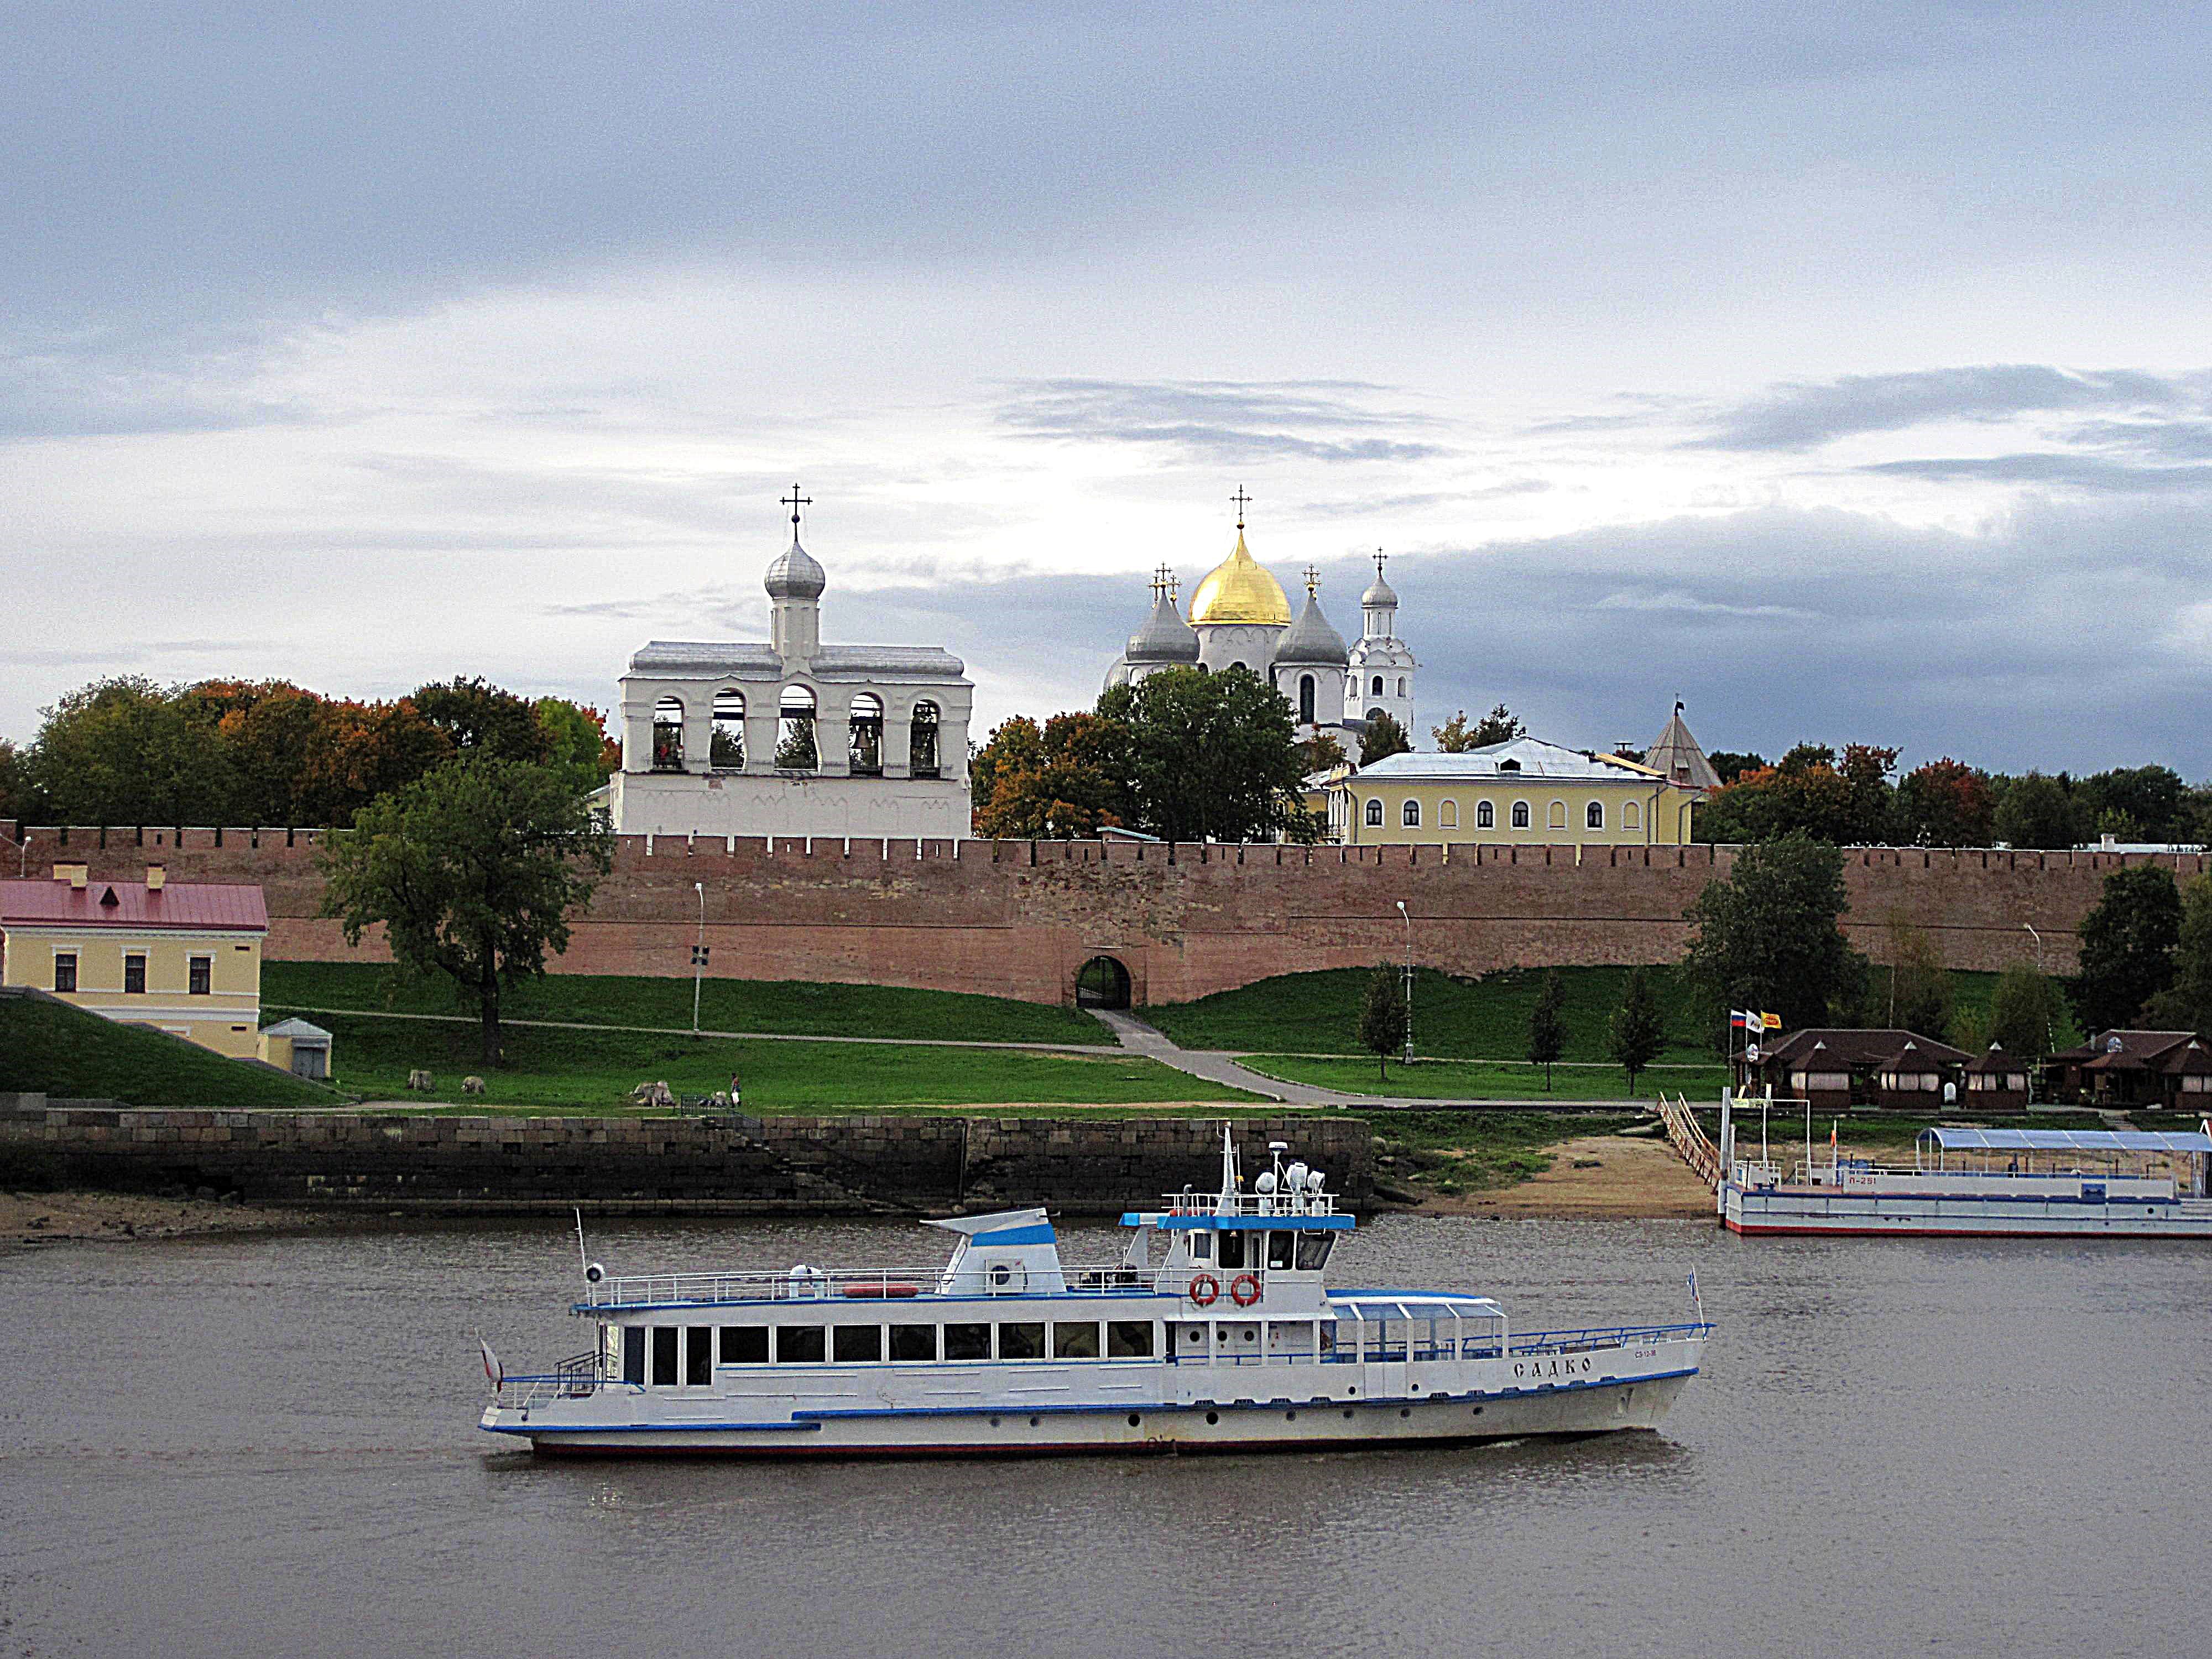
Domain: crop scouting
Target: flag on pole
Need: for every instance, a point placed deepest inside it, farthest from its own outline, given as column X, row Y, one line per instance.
column 495, row 1373
column 1738, row 1019
column 1772, row 1021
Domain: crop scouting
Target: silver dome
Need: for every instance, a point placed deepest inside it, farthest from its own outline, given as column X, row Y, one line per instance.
column 1311, row 640
column 1379, row 595
column 1166, row 637
column 795, row 574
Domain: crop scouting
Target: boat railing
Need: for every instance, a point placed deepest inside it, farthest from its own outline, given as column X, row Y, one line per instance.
column 1606, row 1336
column 1243, row 1203
column 803, row 1283
column 577, row 1378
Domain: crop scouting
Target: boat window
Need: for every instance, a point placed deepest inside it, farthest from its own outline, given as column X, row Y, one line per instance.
column 633, row 1353
column 1313, row 1250
column 860, row 1342
column 1201, row 1247
column 1232, row 1251
column 1079, row 1341
column 914, row 1342
column 699, row 1356
column 1130, row 1338
column 1022, row 1341
column 664, row 1356
column 967, row 1341
column 800, row 1345
column 1282, row 1245
column 744, row 1345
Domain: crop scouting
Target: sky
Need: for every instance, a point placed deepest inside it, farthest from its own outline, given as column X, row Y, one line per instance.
column 1844, row 372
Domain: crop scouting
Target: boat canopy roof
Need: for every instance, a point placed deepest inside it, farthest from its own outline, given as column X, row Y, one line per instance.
column 1365, row 1305
column 2067, row 1140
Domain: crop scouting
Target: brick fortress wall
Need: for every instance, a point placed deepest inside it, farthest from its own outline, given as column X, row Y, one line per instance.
column 1020, row 919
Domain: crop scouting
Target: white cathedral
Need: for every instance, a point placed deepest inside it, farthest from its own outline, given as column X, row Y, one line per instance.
column 1240, row 617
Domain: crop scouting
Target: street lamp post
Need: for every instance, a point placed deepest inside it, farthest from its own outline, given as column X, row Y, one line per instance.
column 1408, row 920
column 698, row 954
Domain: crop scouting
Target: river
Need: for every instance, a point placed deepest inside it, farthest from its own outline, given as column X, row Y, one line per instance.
column 266, row 1446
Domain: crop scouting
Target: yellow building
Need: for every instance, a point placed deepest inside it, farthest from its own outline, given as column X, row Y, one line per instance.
column 185, row 959
column 1524, row 791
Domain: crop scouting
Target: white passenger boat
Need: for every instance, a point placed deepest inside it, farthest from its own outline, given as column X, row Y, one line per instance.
column 1974, row 1182
column 1214, row 1330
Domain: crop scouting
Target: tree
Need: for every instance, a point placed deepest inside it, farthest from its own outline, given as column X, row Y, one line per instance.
column 1920, row 995
column 2137, row 803
column 1058, row 784
column 1206, row 757
column 2036, row 811
column 123, row 750
column 576, row 735
column 1455, row 736
column 1638, row 1034
column 1729, row 764
column 476, row 716
column 1547, row 1026
column 1321, row 752
column 367, row 749
column 2023, row 1010
column 1383, row 1017
column 2187, row 1005
column 472, row 871
column 1383, row 737
column 1766, row 936
column 1946, row 804
column 16, row 799
column 2127, row 944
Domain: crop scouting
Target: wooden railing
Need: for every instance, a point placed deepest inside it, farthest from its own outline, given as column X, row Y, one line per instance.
column 1698, row 1152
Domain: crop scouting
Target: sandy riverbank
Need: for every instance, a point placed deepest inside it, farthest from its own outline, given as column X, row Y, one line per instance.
column 50, row 1217
column 1620, row 1178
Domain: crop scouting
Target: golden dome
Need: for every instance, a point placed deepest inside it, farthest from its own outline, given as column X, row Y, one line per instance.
column 1239, row 590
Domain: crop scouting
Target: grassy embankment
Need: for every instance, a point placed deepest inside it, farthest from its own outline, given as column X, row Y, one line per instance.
column 50, row 1049
column 1471, row 1033
column 557, row 1069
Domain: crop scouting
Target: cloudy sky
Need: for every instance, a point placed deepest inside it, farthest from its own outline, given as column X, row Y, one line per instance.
column 1844, row 371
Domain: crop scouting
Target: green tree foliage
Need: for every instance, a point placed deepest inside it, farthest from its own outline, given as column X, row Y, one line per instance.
column 472, row 871
column 576, row 737
column 1056, row 784
column 1383, row 737
column 1946, row 804
column 478, row 718
column 1456, row 737
column 1321, row 752
column 1848, row 801
column 1766, row 936
column 1383, row 1017
column 1208, row 757
column 2039, row 811
column 1920, row 995
column 1729, row 764
column 17, row 801
column 1547, row 1026
column 2138, row 803
column 1638, row 1034
column 122, row 751
column 2187, row 1005
column 2024, row 1010
column 2127, row 944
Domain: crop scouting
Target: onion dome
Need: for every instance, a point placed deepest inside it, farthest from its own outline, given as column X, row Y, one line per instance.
column 795, row 574
column 1238, row 590
column 1164, row 638
column 1380, row 595
column 1310, row 642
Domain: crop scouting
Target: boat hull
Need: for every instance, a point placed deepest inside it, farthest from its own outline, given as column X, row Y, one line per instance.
column 1757, row 1212
column 1566, row 1409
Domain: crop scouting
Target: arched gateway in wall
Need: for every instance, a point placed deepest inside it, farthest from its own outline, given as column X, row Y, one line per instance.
column 1102, row 982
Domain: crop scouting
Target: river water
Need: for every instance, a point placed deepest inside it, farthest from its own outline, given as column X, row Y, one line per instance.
column 266, row 1446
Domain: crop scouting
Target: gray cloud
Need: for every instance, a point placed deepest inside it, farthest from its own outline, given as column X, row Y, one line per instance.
column 1222, row 422
column 2064, row 470
column 1804, row 415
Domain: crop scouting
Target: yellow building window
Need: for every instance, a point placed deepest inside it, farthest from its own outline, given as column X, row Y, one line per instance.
column 1485, row 816
column 65, row 971
column 199, row 981
column 1520, row 815
column 1375, row 813
column 1410, row 815
column 134, row 976
column 1593, row 816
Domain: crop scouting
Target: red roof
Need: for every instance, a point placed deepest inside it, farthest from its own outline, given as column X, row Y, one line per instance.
column 201, row 906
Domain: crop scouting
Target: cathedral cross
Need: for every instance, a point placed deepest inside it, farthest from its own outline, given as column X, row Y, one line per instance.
column 1313, row 581
column 794, row 502
column 1241, row 501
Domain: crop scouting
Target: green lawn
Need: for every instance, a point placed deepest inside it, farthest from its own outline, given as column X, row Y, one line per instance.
column 49, row 1048
column 586, row 1069
column 1463, row 1079
column 1452, row 1153
column 794, row 1007
column 1484, row 1018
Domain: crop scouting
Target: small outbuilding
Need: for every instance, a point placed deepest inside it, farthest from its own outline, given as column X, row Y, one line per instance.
column 2168, row 1069
column 1838, row 1068
column 1995, row 1082
column 295, row 1046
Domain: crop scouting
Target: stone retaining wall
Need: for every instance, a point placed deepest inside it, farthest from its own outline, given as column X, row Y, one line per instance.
column 847, row 1165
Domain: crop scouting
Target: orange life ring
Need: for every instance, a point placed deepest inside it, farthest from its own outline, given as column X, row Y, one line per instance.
column 1204, row 1288
column 1244, row 1289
